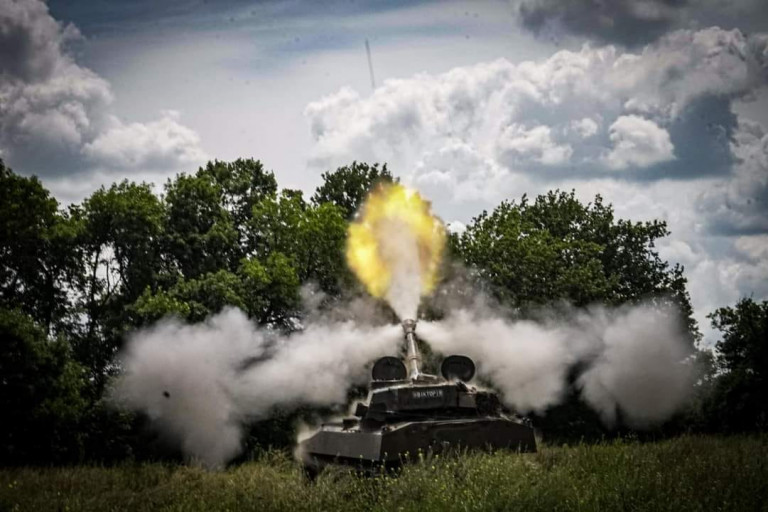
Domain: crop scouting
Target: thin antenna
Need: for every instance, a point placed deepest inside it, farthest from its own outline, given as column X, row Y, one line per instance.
column 370, row 63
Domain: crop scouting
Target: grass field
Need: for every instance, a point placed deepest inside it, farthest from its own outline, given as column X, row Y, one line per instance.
column 688, row 473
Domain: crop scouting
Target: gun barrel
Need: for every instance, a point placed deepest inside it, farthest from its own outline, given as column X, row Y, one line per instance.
column 413, row 356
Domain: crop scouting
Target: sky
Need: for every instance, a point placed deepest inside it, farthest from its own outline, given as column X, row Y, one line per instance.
column 659, row 106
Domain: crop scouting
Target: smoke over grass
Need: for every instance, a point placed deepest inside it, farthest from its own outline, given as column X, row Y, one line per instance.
column 633, row 358
column 200, row 383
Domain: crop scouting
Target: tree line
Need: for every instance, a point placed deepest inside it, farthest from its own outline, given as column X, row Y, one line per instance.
column 75, row 280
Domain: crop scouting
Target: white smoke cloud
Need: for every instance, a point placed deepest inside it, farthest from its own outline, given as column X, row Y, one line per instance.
column 55, row 114
column 526, row 360
column 182, row 377
column 200, row 382
column 640, row 367
column 634, row 357
column 316, row 366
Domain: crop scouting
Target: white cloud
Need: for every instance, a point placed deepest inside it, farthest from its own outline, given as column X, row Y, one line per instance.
column 522, row 117
column 685, row 65
column 55, row 114
column 516, row 143
column 585, row 127
column 458, row 172
column 456, row 227
column 716, row 281
column 754, row 247
column 159, row 144
column 637, row 142
column 739, row 204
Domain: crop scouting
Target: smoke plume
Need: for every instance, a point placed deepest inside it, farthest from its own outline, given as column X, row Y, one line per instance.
column 633, row 358
column 200, row 383
column 399, row 250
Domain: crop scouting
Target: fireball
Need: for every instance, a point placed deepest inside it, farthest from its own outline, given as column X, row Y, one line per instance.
column 396, row 242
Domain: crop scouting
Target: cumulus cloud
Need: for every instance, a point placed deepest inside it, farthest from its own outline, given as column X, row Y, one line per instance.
column 574, row 113
column 36, row 39
column 158, row 144
column 459, row 172
column 740, row 205
column 516, row 143
column 55, row 114
column 754, row 247
column 585, row 127
column 637, row 142
column 721, row 270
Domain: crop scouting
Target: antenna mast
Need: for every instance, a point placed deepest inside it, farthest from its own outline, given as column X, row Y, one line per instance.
column 370, row 63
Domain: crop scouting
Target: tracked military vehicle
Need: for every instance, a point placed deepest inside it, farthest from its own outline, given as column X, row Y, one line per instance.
column 408, row 412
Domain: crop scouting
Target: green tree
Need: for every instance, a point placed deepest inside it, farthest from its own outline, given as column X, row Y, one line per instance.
column 122, row 230
column 271, row 290
column 243, row 184
column 347, row 186
column 119, row 235
column 557, row 248
column 740, row 396
column 191, row 299
column 200, row 234
column 311, row 236
column 209, row 213
column 267, row 291
column 40, row 394
column 38, row 255
column 275, row 222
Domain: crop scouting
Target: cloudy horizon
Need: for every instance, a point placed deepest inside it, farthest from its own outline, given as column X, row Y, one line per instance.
column 659, row 106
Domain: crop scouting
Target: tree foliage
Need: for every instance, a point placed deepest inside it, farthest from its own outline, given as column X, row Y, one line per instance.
column 556, row 248
column 41, row 394
column 740, row 393
column 37, row 253
column 347, row 186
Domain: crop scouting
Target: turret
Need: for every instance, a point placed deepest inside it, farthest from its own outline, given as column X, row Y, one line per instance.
column 389, row 370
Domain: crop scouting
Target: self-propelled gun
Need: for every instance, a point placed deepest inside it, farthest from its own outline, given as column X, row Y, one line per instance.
column 408, row 411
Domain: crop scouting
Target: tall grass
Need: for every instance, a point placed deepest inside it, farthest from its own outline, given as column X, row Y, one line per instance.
column 688, row 473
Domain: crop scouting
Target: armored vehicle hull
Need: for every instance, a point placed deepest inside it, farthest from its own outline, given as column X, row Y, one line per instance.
column 398, row 442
